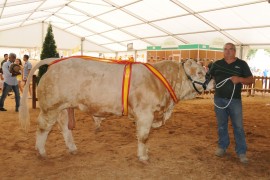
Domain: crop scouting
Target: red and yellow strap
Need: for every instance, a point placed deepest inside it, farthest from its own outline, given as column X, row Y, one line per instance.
column 92, row 59
column 125, row 87
column 163, row 80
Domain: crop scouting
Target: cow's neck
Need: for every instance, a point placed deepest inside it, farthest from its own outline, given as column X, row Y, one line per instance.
column 170, row 70
column 176, row 76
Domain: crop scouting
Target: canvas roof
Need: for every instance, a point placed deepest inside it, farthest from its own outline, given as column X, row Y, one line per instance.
column 109, row 25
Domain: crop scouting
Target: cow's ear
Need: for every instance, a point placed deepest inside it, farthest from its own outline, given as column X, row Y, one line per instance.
column 188, row 63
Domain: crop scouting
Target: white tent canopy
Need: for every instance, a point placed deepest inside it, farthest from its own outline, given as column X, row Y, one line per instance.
column 109, row 25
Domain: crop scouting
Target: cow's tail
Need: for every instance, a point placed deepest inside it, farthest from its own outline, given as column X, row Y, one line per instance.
column 24, row 116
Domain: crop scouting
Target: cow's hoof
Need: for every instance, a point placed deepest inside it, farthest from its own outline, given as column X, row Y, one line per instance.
column 143, row 158
column 157, row 124
column 73, row 152
column 145, row 162
column 97, row 130
column 42, row 156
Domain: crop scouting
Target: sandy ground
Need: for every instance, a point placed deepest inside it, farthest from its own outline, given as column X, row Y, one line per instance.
column 182, row 149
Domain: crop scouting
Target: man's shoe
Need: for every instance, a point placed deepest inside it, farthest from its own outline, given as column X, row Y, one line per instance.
column 220, row 152
column 17, row 109
column 3, row 109
column 243, row 158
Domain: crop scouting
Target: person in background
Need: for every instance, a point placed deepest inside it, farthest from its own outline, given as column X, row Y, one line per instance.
column 19, row 77
column 2, row 62
column 238, row 73
column 26, row 70
column 10, row 82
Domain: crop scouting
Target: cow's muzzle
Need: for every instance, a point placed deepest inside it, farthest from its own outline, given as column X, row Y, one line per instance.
column 208, row 78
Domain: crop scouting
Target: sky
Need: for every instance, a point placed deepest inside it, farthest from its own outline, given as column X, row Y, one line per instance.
column 261, row 60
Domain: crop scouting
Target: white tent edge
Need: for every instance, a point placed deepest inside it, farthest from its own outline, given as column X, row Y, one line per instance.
column 68, row 42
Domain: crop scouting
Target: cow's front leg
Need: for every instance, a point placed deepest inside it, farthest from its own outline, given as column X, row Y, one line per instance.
column 144, row 123
column 67, row 134
column 45, row 123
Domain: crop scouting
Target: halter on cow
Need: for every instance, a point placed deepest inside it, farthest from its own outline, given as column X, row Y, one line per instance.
column 204, row 84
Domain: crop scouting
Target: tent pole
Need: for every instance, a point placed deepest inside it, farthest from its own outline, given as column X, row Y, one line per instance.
column 135, row 55
column 42, row 33
column 241, row 51
column 82, row 39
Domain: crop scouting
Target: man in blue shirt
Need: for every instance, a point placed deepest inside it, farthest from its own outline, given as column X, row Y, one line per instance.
column 10, row 82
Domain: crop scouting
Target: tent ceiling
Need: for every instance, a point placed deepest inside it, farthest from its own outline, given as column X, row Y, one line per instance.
column 111, row 24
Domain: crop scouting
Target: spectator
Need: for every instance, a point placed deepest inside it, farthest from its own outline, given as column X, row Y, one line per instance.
column 19, row 77
column 10, row 82
column 3, row 61
column 26, row 70
column 265, row 72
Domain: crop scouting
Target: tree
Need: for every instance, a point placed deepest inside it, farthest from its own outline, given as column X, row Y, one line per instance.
column 251, row 53
column 48, row 50
column 268, row 50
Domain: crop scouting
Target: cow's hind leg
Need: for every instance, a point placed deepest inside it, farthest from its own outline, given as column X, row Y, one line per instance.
column 45, row 123
column 67, row 134
column 144, row 122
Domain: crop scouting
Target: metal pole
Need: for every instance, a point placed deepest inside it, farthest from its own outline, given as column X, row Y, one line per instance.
column 42, row 33
column 135, row 55
column 82, row 40
column 241, row 52
column 34, row 96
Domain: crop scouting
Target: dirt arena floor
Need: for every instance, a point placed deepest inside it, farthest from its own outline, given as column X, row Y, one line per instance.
column 182, row 149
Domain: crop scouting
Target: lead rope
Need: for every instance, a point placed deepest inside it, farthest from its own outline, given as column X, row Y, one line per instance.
column 219, row 85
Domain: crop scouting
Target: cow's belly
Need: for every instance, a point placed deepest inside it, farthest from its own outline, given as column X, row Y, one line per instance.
column 91, row 100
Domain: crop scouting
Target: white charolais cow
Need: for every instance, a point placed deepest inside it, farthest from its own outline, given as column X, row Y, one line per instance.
column 95, row 87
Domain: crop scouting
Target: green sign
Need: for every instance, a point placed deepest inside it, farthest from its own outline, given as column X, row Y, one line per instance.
column 154, row 48
column 183, row 47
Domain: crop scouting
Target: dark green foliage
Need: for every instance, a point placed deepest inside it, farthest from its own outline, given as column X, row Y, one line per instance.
column 251, row 53
column 48, row 50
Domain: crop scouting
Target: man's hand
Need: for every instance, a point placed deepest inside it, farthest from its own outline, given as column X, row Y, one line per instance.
column 246, row 81
column 236, row 79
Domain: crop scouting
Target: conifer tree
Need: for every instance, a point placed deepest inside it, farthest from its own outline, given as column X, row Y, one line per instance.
column 48, row 50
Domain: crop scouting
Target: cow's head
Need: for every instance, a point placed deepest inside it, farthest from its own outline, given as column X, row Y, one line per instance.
column 197, row 78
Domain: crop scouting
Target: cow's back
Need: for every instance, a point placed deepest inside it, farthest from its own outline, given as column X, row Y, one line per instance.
column 96, row 86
